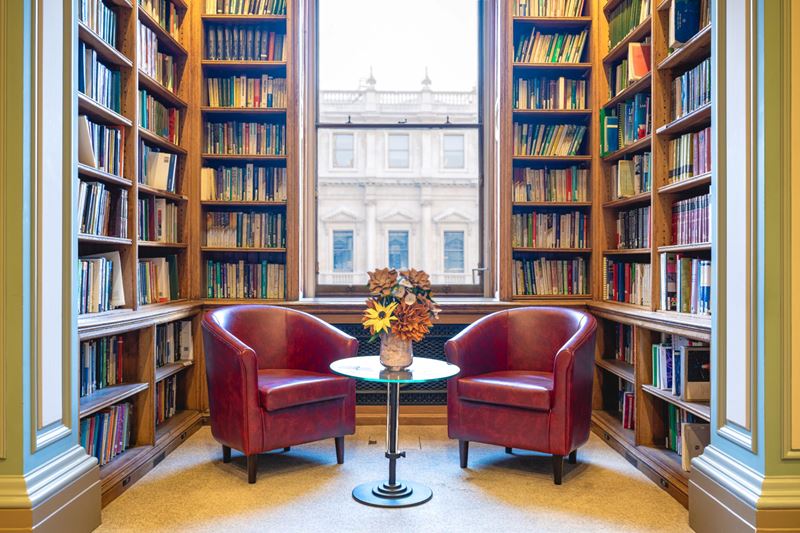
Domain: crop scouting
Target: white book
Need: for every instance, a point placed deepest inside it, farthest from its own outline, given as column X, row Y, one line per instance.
column 117, row 289
column 185, row 335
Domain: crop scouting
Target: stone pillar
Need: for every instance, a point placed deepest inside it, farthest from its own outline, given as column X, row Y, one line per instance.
column 371, row 253
column 47, row 482
column 748, row 478
column 426, row 256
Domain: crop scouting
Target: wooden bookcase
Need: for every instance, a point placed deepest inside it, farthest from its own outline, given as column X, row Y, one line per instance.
column 206, row 68
column 136, row 322
column 644, row 445
column 512, row 27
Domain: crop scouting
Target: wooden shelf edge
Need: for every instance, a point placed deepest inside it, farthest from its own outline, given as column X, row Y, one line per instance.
column 698, row 247
column 551, row 204
column 701, row 410
column 89, row 106
column 553, row 66
column 620, row 49
column 170, row 369
column 641, row 198
column 234, row 249
column 666, row 322
column 240, row 157
column 106, row 51
column 619, row 368
column 170, row 42
column 701, row 180
column 147, row 189
column 691, row 51
column 640, row 145
column 237, row 203
column 523, row 249
column 157, row 89
column 638, row 86
column 686, row 123
column 107, row 396
column 243, row 110
column 243, row 17
column 162, row 142
column 176, row 424
column 158, row 244
column 627, row 251
column 102, row 239
column 112, row 179
column 90, row 327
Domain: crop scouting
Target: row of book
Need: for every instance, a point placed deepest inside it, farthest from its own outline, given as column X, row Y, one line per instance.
column 689, row 155
column 252, row 138
column 624, row 343
column 245, row 279
column 548, row 8
column 543, row 276
column 243, row 184
column 174, row 342
column 245, row 230
column 683, row 368
column 99, row 18
column 100, row 146
column 625, row 124
column 686, row 18
column 102, row 211
column 245, row 7
column 630, row 69
column 549, row 93
column 633, row 228
column 244, row 42
column 550, row 230
column 626, row 403
column 685, row 284
column 106, row 434
column 550, row 184
column 626, row 281
column 547, row 139
column 165, row 13
column 692, row 89
column 100, row 283
column 158, row 220
column 162, row 120
column 158, row 169
column 242, row 91
column 100, row 363
column 96, row 80
column 158, row 279
column 633, row 176
column 538, row 47
column 691, row 220
column 687, row 435
column 166, row 399
column 624, row 18
column 159, row 66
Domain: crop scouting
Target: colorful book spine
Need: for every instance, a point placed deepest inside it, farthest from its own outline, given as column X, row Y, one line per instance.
column 548, row 8
column 243, row 184
column 174, row 342
column 102, row 210
column 633, row 228
column 244, row 92
column 245, row 138
column 548, row 139
column 550, row 230
column 550, row 184
column 625, row 18
column 626, row 281
column 692, row 90
column 162, row 120
column 158, row 220
column 245, row 279
column 685, row 284
column 165, row 13
column 158, row 279
column 544, row 276
column 538, row 47
column 630, row 177
column 549, row 93
column 106, row 434
column 96, row 80
column 254, row 7
column 691, row 220
column 166, row 399
column 99, row 18
column 245, row 230
column 100, row 363
column 689, row 155
column 159, row 66
column 243, row 42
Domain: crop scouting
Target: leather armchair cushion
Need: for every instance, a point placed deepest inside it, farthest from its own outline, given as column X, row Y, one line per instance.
column 282, row 388
column 514, row 388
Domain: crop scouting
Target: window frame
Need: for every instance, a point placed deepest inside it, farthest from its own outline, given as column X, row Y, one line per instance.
column 407, row 233
column 463, row 251
column 333, row 165
column 352, row 233
column 387, row 159
column 463, row 152
column 488, row 94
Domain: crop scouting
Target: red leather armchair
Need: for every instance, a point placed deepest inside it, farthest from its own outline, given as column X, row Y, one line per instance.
column 269, row 383
column 525, row 382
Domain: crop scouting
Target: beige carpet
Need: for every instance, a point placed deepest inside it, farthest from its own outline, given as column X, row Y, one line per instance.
column 306, row 491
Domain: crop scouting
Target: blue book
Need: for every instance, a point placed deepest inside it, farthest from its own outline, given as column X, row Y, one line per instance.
column 684, row 21
column 611, row 134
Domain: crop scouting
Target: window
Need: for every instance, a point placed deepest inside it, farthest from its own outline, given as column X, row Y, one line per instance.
column 343, row 150
column 343, row 251
column 398, row 249
column 397, row 151
column 453, row 251
column 453, row 151
column 404, row 81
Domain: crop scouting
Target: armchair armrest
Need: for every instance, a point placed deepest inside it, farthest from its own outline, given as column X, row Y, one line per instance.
column 232, row 376
column 481, row 347
column 314, row 344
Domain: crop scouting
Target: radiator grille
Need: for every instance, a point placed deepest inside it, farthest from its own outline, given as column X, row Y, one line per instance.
column 432, row 393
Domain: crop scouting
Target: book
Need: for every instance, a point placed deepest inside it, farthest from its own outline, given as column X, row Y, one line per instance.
column 243, row 42
column 570, row 184
column 102, row 210
column 548, row 8
column 101, row 146
column 691, row 220
column 158, row 220
column 163, row 120
column 174, row 342
column 160, row 66
column 157, row 168
column 691, row 90
column 696, row 437
column 548, row 139
column 246, row 92
column 624, row 18
column 99, row 18
column 626, row 281
column 101, row 286
column 245, row 279
column 686, row 287
column 610, row 134
column 255, row 7
column 630, row 177
column 106, row 434
column 684, row 21
column 624, row 343
column 696, row 376
column 165, row 13
column 166, row 399
column 689, row 155
column 545, row 276
column 240, row 138
column 96, row 80
column 157, row 279
column 638, row 61
column 633, row 228
column 237, row 229
column 249, row 183
column 100, row 363
column 549, row 93
column 538, row 47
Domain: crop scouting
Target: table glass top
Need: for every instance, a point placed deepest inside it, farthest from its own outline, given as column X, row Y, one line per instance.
column 369, row 368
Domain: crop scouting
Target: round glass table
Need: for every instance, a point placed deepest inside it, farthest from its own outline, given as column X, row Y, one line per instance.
column 393, row 493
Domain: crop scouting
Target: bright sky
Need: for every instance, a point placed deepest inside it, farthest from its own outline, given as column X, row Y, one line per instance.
column 398, row 38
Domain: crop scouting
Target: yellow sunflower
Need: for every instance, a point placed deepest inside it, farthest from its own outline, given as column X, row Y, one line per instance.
column 378, row 317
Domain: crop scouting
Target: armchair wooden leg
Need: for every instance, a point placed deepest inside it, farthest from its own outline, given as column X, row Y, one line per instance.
column 339, row 450
column 463, row 452
column 252, row 467
column 573, row 457
column 558, row 468
column 226, row 454
column 509, row 450
column 287, row 448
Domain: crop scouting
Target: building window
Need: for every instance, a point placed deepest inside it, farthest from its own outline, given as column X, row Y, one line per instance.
column 398, row 249
column 398, row 150
column 343, row 251
column 453, row 251
column 343, row 150
column 453, row 151
column 415, row 111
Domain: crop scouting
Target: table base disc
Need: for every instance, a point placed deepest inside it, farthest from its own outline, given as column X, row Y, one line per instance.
column 381, row 494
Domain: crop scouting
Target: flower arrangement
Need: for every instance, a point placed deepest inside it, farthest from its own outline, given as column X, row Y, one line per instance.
column 400, row 310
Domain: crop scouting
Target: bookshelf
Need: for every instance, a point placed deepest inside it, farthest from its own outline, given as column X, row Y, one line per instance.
column 249, row 187
column 665, row 198
column 147, row 109
column 540, row 183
